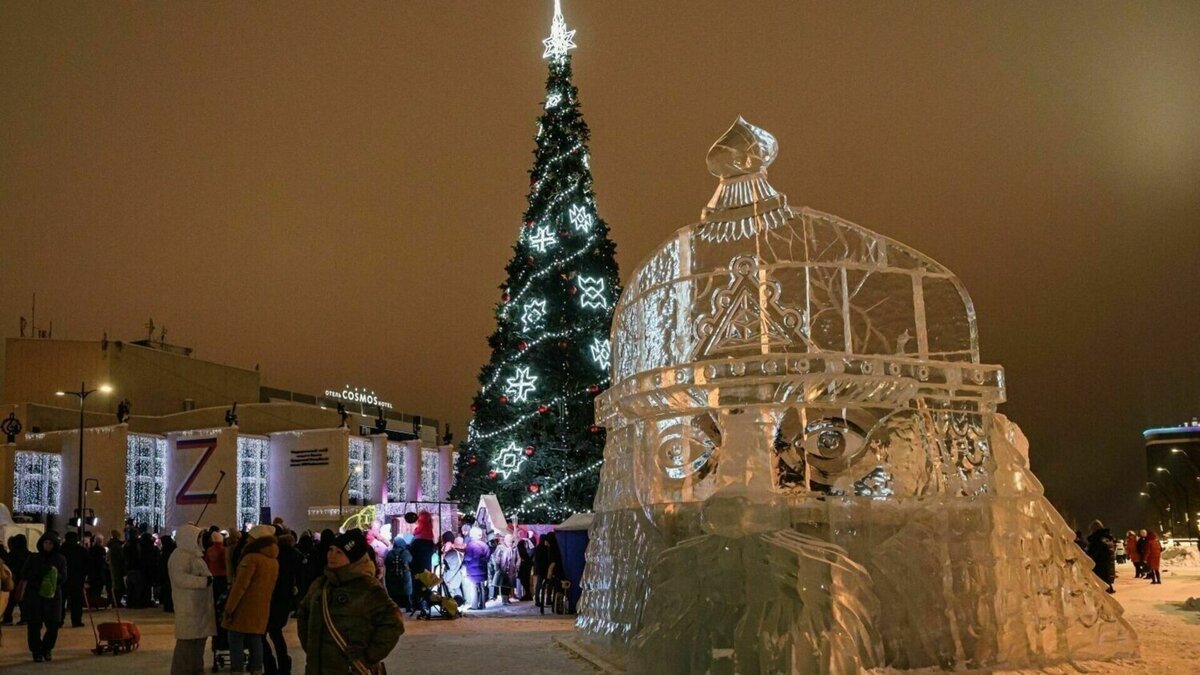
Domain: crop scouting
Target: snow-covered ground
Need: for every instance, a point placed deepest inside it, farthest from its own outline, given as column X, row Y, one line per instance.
column 518, row 640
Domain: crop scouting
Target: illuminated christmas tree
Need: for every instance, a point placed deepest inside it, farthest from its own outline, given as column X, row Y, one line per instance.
column 534, row 441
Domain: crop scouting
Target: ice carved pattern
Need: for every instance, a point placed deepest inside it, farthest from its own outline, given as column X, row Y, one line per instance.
column 747, row 314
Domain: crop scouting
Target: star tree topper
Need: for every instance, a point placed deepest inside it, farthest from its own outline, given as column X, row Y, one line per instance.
column 561, row 40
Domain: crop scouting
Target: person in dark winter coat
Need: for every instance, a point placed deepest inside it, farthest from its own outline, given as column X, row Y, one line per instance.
column 98, row 578
column 397, row 575
column 77, row 566
column 18, row 553
column 547, row 565
column 43, row 576
column 525, row 570
column 422, row 548
column 283, row 603
column 165, row 596
column 307, row 548
column 364, row 624
column 1101, row 548
column 116, row 567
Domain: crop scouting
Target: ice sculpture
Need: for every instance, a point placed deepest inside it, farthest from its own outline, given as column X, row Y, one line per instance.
column 805, row 469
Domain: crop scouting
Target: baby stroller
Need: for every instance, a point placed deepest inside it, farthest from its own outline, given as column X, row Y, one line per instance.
column 432, row 599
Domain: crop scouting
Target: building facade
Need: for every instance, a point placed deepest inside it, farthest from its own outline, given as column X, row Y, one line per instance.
column 1173, row 477
column 190, row 449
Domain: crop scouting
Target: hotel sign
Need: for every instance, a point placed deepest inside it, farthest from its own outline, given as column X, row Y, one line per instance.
column 356, row 395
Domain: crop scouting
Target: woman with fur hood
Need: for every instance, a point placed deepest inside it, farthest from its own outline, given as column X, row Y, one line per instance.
column 347, row 623
column 195, row 617
column 249, row 604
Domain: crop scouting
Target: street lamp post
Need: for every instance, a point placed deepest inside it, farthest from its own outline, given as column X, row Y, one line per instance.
column 342, row 494
column 1170, row 512
column 1187, row 504
column 1186, row 458
column 1162, row 515
column 82, row 394
column 90, row 486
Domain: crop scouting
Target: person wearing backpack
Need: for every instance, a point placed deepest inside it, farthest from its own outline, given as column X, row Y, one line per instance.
column 42, row 579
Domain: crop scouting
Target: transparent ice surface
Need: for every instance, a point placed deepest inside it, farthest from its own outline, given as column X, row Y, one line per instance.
column 805, row 470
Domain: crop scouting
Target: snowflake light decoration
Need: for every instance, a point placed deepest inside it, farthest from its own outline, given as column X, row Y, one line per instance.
column 601, row 349
column 508, row 460
column 561, row 40
column 580, row 218
column 553, row 100
column 521, row 385
column 542, row 239
column 592, row 292
column 535, row 311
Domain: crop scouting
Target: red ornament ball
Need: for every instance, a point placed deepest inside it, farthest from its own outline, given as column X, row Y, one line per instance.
column 529, row 451
column 474, row 408
column 564, row 233
column 472, row 459
column 522, row 345
column 562, row 344
column 529, row 223
column 543, row 409
column 503, row 399
column 573, row 290
column 594, row 389
column 505, row 298
column 529, row 259
column 534, row 487
column 492, row 474
column 594, row 429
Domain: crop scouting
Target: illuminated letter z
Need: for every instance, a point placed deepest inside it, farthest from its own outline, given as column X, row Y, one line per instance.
column 184, row 496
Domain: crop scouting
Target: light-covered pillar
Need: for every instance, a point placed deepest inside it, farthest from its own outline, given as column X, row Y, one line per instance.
column 378, row 468
column 412, row 471
column 445, row 471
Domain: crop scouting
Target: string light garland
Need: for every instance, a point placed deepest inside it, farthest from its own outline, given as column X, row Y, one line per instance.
column 37, row 482
column 546, row 492
column 253, row 465
column 145, row 477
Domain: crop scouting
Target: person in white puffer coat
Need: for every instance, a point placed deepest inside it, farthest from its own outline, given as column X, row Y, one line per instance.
column 195, row 617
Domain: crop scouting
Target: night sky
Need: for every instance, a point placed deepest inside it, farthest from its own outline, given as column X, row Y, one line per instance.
column 332, row 190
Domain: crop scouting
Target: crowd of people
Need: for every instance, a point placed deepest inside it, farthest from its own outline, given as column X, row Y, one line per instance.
column 1143, row 549
column 233, row 593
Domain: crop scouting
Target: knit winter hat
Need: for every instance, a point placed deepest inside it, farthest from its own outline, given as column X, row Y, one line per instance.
column 218, row 538
column 260, row 531
column 353, row 543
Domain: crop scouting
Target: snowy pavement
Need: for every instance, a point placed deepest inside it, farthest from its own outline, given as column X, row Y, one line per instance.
column 513, row 639
column 517, row 639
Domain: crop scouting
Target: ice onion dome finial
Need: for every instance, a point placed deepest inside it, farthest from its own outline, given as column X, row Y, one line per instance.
column 743, row 150
column 744, row 203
